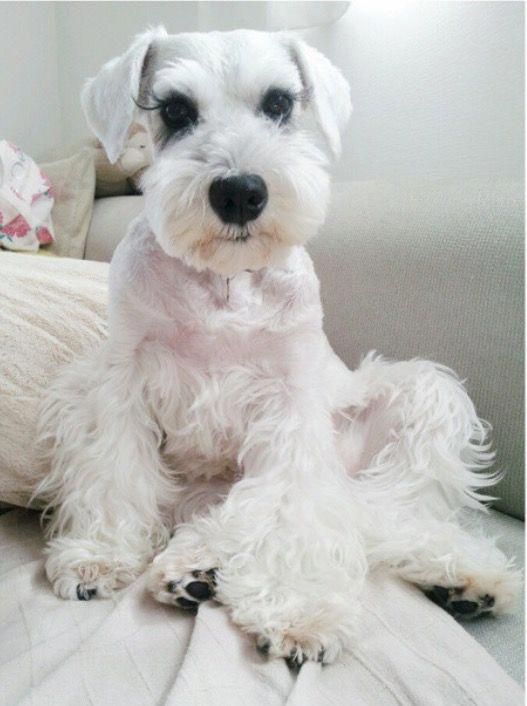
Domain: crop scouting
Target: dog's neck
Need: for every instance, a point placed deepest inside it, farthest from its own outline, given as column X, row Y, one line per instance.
column 233, row 291
column 228, row 284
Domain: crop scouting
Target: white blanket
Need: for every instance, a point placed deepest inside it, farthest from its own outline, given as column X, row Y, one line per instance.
column 132, row 651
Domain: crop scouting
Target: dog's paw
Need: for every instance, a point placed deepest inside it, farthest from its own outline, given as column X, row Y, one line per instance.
column 185, row 591
column 491, row 594
column 85, row 593
column 455, row 601
column 86, row 581
column 296, row 621
column 80, row 570
column 297, row 649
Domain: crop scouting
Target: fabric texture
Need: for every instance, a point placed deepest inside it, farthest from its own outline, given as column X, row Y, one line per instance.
column 26, row 200
column 131, row 650
column 418, row 269
column 52, row 310
column 73, row 182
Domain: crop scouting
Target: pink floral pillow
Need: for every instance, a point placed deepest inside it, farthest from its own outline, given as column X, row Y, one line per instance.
column 26, row 200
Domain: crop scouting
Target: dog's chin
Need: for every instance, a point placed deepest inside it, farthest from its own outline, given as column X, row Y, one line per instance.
column 227, row 254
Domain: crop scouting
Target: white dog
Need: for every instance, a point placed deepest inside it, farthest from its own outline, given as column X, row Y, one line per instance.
column 216, row 430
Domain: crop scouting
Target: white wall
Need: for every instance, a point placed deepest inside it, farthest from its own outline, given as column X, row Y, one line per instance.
column 29, row 92
column 437, row 86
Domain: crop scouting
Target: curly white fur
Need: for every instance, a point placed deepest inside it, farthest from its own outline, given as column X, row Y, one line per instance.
column 217, row 407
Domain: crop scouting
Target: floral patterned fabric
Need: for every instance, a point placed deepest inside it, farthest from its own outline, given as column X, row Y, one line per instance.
column 26, row 200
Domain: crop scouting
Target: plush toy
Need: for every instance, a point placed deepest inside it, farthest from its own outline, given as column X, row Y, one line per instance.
column 122, row 178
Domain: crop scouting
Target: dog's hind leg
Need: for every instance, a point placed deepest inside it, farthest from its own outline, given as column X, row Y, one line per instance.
column 417, row 451
column 104, row 479
column 461, row 570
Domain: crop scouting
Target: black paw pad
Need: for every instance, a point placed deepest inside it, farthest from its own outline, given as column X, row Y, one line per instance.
column 263, row 647
column 199, row 590
column 211, row 573
column 190, row 606
column 454, row 601
column 439, row 594
column 85, row 594
column 487, row 601
column 295, row 660
column 464, row 607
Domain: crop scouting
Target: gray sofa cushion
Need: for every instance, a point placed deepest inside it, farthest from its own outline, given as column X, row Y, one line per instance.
column 430, row 269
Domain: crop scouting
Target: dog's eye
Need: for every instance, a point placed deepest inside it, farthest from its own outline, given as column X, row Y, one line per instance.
column 277, row 105
column 179, row 113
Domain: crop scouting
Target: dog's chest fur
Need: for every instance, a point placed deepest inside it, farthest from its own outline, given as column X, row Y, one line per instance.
column 207, row 340
column 224, row 327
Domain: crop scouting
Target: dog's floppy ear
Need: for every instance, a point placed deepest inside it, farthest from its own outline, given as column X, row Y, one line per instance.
column 108, row 98
column 327, row 89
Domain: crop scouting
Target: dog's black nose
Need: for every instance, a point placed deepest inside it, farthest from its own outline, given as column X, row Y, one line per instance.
column 238, row 199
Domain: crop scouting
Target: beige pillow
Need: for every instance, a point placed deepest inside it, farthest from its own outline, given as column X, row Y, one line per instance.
column 73, row 181
column 52, row 310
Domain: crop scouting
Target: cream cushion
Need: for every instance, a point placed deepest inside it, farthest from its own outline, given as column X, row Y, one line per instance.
column 52, row 309
column 73, row 181
column 132, row 651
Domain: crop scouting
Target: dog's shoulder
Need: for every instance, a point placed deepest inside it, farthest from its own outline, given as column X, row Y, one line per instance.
column 139, row 259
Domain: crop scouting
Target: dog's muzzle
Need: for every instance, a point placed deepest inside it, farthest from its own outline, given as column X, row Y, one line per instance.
column 238, row 199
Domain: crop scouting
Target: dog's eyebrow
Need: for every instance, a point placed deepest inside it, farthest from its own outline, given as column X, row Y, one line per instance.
column 155, row 106
column 182, row 76
column 304, row 95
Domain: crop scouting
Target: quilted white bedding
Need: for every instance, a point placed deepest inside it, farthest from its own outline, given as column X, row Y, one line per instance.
column 132, row 651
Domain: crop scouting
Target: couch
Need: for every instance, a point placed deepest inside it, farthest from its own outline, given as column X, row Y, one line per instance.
column 419, row 269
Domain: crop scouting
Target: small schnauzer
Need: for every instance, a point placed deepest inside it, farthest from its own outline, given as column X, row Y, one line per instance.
column 216, row 432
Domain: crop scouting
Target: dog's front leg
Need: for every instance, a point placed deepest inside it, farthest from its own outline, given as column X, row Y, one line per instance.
column 105, row 477
column 286, row 542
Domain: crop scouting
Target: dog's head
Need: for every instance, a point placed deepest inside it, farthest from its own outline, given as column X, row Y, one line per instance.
column 239, row 171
